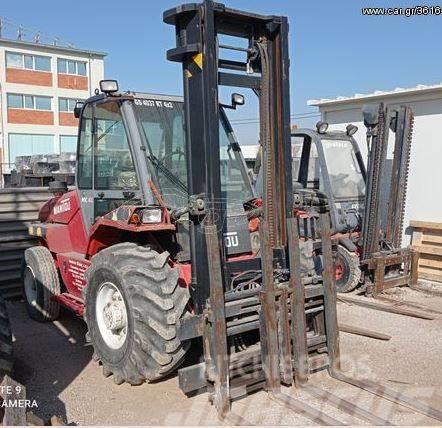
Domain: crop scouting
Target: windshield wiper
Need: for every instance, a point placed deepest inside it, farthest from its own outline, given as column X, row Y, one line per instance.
column 169, row 175
column 106, row 131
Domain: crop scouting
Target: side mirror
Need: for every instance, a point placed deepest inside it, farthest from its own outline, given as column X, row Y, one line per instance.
column 237, row 100
column 77, row 109
column 351, row 130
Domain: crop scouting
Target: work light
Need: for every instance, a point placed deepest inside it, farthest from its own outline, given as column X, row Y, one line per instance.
column 322, row 127
column 108, row 86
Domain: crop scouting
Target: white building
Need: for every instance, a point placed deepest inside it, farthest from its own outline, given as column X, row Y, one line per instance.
column 425, row 176
column 39, row 87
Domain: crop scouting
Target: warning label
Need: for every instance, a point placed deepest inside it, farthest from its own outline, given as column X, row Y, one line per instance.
column 77, row 269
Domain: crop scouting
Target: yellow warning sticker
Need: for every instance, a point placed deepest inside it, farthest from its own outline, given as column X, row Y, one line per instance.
column 198, row 60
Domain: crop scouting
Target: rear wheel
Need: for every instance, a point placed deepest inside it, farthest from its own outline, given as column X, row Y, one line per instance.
column 133, row 302
column 40, row 284
column 347, row 270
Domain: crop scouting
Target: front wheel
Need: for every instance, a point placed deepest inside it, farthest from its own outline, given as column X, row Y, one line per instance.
column 133, row 302
column 347, row 270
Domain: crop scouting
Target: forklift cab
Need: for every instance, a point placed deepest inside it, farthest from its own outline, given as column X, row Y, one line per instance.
column 131, row 149
column 330, row 162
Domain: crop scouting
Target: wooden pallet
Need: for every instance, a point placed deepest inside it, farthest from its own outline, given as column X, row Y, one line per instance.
column 427, row 240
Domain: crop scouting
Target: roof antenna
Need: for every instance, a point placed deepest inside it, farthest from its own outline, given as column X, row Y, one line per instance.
column 1, row 27
column 20, row 32
column 37, row 37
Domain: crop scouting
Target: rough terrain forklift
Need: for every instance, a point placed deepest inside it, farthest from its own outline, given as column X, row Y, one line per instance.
column 331, row 162
column 163, row 245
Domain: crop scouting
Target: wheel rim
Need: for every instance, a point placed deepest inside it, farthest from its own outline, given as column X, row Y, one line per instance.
column 30, row 286
column 339, row 271
column 342, row 271
column 111, row 315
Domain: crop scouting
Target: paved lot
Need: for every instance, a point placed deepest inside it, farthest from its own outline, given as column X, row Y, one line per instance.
column 54, row 362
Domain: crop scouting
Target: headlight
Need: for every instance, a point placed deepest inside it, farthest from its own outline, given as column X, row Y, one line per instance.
column 151, row 215
column 254, row 240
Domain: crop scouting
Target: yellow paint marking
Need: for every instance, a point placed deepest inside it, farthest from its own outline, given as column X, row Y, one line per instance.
column 198, row 60
column 188, row 74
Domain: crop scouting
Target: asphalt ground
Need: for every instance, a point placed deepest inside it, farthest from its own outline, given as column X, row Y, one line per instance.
column 55, row 364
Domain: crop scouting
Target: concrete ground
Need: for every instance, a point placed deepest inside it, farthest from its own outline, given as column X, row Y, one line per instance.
column 54, row 363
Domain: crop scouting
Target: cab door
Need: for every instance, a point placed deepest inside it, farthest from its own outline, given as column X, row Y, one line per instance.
column 107, row 174
column 85, row 166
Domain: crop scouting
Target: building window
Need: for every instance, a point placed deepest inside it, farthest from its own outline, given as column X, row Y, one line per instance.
column 29, row 144
column 15, row 101
column 67, row 105
column 29, row 62
column 30, row 102
column 67, row 66
column 68, row 143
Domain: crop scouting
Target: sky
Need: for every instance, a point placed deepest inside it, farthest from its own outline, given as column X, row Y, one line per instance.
column 334, row 49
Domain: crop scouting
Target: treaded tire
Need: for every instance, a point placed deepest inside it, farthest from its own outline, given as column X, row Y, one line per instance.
column 6, row 350
column 351, row 270
column 154, row 304
column 41, row 307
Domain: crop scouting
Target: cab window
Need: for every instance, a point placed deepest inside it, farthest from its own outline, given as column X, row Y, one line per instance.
column 114, row 168
column 84, row 175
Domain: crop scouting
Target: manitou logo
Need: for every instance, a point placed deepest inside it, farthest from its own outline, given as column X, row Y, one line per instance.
column 63, row 206
column 231, row 239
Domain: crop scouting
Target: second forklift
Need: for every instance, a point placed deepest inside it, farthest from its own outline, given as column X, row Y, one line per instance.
column 367, row 231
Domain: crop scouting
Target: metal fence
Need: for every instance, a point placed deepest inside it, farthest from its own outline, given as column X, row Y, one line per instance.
column 18, row 208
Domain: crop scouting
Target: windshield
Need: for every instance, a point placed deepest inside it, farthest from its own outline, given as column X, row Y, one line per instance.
column 346, row 178
column 163, row 126
column 162, row 123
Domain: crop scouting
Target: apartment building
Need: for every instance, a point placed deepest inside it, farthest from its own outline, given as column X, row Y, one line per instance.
column 39, row 86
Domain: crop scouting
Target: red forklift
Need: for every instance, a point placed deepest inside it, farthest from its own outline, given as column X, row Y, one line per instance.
column 163, row 246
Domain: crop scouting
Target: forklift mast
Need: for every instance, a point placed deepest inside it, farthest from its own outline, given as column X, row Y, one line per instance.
column 387, row 264
column 379, row 120
column 276, row 304
column 266, row 72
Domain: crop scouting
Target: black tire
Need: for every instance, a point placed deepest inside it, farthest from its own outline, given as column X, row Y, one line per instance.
column 350, row 274
column 39, row 265
column 154, row 303
column 6, row 351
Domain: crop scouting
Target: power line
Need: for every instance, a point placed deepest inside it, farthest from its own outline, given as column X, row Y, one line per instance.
column 293, row 116
column 21, row 31
column 256, row 120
